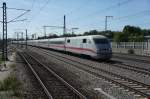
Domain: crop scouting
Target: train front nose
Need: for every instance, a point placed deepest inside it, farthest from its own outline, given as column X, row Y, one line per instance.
column 104, row 52
column 103, row 48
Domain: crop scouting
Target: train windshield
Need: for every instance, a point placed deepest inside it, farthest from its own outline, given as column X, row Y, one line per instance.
column 100, row 41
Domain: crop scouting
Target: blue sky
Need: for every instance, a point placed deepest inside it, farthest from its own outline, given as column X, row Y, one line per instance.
column 84, row 14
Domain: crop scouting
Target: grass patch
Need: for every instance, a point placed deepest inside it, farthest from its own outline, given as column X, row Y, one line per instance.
column 11, row 84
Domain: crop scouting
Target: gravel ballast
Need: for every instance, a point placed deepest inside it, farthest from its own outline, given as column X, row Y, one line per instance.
column 31, row 88
column 83, row 80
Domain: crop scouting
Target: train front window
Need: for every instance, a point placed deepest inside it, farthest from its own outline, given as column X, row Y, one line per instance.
column 100, row 41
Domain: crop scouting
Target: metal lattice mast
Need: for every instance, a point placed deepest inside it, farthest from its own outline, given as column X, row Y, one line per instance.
column 106, row 20
column 64, row 31
column 4, row 54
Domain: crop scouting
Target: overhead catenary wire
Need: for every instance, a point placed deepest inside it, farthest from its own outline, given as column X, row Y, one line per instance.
column 33, row 17
column 133, row 15
column 44, row 5
column 104, row 10
column 119, row 4
column 141, row 13
column 32, row 5
column 18, row 9
column 99, row 11
column 31, row 10
column 14, row 20
column 91, row 14
column 18, row 20
column 72, row 11
column 19, row 16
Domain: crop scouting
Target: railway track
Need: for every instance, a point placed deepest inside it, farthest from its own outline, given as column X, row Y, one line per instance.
column 139, row 89
column 33, row 89
column 54, row 86
column 142, row 59
column 131, row 68
column 134, row 68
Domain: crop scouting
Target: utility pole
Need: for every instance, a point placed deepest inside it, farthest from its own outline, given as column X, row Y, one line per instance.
column 26, row 38
column 19, row 38
column 5, row 43
column 4, row 50
column 64, row 31
column 64, row 28
column 106, row 19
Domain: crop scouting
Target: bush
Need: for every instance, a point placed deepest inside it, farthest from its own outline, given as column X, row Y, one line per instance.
column 130, row 51
column 10, row 83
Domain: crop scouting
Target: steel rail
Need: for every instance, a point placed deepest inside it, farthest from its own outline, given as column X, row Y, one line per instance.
column 37, row 77
column 133, row 59
column 61, row 79
column 84, row 64
column 107, row 78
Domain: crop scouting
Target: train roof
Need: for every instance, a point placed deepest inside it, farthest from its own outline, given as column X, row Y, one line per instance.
column 79, row 37
column 89, row 36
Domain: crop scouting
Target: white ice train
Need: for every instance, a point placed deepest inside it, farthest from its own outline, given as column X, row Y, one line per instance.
column 96, row 46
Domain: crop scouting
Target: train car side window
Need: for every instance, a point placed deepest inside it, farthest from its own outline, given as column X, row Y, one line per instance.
column 84, row 40
column 68, row 41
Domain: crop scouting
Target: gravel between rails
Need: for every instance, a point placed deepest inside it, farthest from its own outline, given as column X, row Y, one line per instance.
column 63, row 72
column 31, row 88
column 132, row 63
column 131, row 55
column 121, row 80
column 110, row 88
column 142, row 59
column 127, row 73
column 55, row 86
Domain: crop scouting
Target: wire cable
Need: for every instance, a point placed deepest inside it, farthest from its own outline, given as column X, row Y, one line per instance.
column 105, row 9
column 124, row 17
column 17, row 9
column 34, row 17
column 19, row 16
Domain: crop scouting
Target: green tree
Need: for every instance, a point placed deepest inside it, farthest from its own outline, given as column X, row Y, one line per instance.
column 119, row 37
column 146, row 32
column 132, row 33
column 92, row 32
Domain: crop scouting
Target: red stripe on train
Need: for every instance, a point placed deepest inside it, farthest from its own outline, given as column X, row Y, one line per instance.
column 74, row 48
